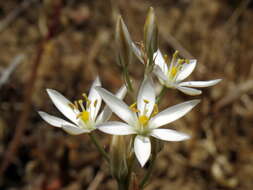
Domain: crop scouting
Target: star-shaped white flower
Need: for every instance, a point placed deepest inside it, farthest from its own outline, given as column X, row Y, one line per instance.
column 83, row 117
column 172, row 76
column 143, row 120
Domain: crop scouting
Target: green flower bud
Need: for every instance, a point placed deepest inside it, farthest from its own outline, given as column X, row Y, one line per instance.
column 123, row 43
column 150, row 34
column 118, row 155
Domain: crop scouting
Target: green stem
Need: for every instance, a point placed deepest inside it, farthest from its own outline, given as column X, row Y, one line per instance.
column 127, row 80
column 122, row 185
column 161, row 94
column 148, row 173
column 99, row 147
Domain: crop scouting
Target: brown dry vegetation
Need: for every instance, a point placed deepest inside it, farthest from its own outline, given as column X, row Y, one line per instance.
column 78, row 43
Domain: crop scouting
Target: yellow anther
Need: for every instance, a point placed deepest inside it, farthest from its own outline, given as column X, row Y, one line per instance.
column 85, row 96
column 80, row 102
column 133, row 107
column 143, row 119
column 72, row 106
column 84, row 116
column 146, row 101
column 175, row 55
column 187, row 61
column 76, row 104
column 155, row 110
column 166, row 58
column 95, row 103
column 174, row 71
column 180, row 61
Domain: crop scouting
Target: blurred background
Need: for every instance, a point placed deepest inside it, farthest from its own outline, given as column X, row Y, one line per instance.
column 63, row 44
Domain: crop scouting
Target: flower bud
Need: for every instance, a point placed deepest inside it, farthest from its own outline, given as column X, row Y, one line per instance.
column 123, row 43
column 150, row 34
column 119, row 168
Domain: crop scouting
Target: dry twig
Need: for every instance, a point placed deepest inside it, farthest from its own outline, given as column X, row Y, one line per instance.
column 9, row 70
column 14, row 14
column 97, row 180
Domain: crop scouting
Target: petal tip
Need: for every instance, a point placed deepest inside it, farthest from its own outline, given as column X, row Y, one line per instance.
column 195, row 102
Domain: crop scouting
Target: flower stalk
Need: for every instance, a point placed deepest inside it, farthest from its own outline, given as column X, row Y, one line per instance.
column 99, row 147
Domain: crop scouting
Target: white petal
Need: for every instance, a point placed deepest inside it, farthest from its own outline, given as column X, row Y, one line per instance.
column 106, row 113
column 200, row 84
column 186, row 70
column 142, row 149
column 171, row 114
column 159, row 60
column 189, row 91
column 121, row 93
column 146, row 92
column 116, row 128
column 62, row 104
column 160, row 75
column 137, row 52
column 169, row 135
column 118, row 106
column 52, row 120
column 94, row 96
column 74, row 130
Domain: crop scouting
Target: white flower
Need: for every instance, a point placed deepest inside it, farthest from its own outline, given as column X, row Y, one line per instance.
column 143, row 120
column 83, row 118
column 178, row 70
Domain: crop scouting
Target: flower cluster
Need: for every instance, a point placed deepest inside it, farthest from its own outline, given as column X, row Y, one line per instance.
column 142, row 119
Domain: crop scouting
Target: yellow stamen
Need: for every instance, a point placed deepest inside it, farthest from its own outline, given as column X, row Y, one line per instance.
column 143, row 119
column 85, row 96
column 146, row 101
column 76, row 104
column 180, row 61
column 174, row 71
column 81, row 104
column 133, row 107
column 84, row 115
column 155, row 110
column 95, row 103
column 166, row 58
column 72, row 106
column 175, row 55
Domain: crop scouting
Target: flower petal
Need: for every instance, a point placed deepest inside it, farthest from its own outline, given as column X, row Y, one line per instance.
column 116, row 128
column 62, row 104
column 189, row 91
column 94, row 97
column 74, row 130
column 142, row 149
column 169, row 135
column 52, row 120
column 117, row 106
column 171, row 114
column 106, row 113
column 159, row 74
column 137, row 52
column 159, row 60
column 186, row 70
column 146, row 93
column 200, row 84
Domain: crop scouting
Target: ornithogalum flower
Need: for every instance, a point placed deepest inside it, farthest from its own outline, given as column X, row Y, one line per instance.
column 172, row 74
column 82, row 113
column 143, row 119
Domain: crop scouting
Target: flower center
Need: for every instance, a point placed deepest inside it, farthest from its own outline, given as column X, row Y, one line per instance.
column 143, row 119
column 85, row 116
column 83, row 112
